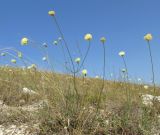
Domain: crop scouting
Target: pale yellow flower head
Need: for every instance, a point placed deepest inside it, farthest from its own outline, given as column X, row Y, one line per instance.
column 146, row 87
column 51, row 13
column 88, row 37
column 103, row 39
column 24, row 41
column 77, row 60
column 148, row 37
column 122, row 53
column 84, row 72
column 33, row 66
column 13, row 61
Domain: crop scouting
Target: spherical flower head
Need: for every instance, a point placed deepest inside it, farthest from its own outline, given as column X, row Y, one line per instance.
column 148, row 37
column 3, row 54
column 84, row 72
column 97, row 77
column 44, row 58
column 123, row 70
column 55, row 42
column 45, row 45
column 13, row 61
column 33, row 66
column 77, row 60
column 88, row 37
column 19, row 54
column 122, row 53
column 146, row 87
column 24, row 41
column 103, row 39
column 51, row 13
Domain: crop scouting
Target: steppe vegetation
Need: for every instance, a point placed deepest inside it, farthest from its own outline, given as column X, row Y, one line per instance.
column 34, row 101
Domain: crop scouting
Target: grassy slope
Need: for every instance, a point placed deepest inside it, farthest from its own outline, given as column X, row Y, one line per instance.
column 67, row 113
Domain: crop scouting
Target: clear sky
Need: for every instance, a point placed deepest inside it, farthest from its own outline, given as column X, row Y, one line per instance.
column 123, row 22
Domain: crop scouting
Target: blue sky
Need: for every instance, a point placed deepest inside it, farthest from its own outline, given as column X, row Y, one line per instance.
column 122, row 22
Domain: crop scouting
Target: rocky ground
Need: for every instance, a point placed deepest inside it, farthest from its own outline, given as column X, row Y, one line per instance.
column 14, row 126
column 32, row 127
column 13, row 118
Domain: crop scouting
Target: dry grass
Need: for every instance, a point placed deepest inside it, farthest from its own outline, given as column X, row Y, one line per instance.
column 65, row 113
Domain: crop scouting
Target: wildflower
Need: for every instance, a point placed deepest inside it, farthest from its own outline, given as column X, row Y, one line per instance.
column 44, row 58
column 148, row 37
column 146, row 87
column 97, row 77
column 59, row 39
column 103, row 39
column 33, row 66
column 88, row 37
column 123, row 70
column 45, row 45
column 24, row 41
column 3, row 54
column 77, row 60
column 55, row 42
column 19, row 55
column 51, row 13
column 13, row 61
column 84, row 72
column 121, row 53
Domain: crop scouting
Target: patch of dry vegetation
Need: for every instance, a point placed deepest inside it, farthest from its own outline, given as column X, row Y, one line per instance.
column 65, row 113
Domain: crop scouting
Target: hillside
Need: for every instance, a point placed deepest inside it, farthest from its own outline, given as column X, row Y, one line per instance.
column 34, row 102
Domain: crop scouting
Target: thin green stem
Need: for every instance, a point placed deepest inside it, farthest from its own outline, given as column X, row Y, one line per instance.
column 153, row 75
column 66, row 45
column 65, row 58
column 103, row 81
column 127, row 81
column 84, row 57
column 48, row 59
column 12, row 55
column 16, row 51
column 125, row 68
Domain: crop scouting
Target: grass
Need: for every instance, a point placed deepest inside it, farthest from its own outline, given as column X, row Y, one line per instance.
column 61, row 115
